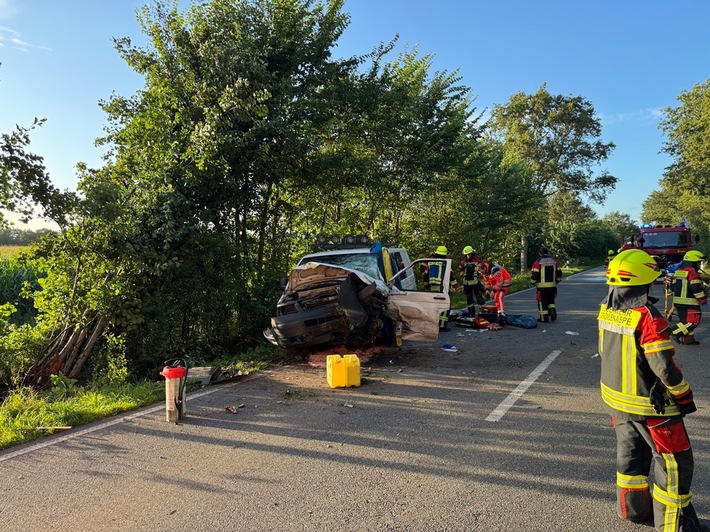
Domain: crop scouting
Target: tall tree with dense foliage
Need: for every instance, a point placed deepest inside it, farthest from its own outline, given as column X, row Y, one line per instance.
column 685, row 186
column 238, row 98
column 559, row 137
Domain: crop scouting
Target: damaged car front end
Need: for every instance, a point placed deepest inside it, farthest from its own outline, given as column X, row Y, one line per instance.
column 327, row 305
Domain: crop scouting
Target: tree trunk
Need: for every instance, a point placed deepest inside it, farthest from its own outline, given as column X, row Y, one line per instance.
column 524, row 253
column 68, row 351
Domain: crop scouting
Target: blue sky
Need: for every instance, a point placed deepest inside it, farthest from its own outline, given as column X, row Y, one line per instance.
column 630, row 59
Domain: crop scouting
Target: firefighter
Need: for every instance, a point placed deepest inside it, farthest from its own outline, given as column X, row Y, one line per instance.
column 436, row 278
column 688, row 295
column 647, row 397
column 545, row 274
column 496, row 281
column 472, row 286
column 610, row 256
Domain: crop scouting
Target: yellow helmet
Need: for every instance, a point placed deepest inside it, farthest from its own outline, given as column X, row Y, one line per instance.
column 611, row 253
column 467, row 250
column 694, row 256
column 632, row 267
column 441, row 250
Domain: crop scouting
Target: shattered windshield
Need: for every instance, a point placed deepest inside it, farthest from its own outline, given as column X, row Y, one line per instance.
column 362, row 262
column 665, row 239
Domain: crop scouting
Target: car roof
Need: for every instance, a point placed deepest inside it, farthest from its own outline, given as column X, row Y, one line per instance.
column 349, row 251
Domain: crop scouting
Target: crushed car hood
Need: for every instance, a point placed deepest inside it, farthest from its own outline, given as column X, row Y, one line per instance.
column 317, row 272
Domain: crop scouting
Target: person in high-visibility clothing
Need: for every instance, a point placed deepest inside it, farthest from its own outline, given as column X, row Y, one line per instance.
column 688, row 296
column 610, row 256
column 645, row 393
column 497, row 281
column 544, row 275
column 472, row 286
column 435, row 272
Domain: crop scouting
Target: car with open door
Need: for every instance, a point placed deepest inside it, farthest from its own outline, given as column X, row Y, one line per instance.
column 331, row 305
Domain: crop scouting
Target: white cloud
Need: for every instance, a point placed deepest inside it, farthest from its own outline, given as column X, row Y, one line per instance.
column 641, row 115
column 13, row 39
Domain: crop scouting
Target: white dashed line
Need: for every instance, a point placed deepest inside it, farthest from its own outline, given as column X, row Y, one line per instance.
column 516, row 394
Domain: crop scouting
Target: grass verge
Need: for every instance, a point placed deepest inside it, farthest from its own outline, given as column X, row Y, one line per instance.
column 26, row 415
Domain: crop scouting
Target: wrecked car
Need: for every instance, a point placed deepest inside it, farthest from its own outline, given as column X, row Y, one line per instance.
column 329, row 304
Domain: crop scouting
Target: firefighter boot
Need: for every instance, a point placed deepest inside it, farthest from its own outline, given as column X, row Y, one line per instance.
column 553, row 312
column 501, row 317
column 690, row 340
column 544, row 317
column 472, row 311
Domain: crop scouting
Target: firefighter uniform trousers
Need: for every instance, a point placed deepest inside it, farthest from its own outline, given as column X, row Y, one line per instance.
column 546, row 303
column 662, row 443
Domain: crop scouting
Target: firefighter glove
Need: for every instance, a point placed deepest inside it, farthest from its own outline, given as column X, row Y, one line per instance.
column 659, row 397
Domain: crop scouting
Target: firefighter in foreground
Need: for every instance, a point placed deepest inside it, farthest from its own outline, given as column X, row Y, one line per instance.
column 688, row 295
column 497, row 281
column 472, row 286
column 647, row 397
column 545, row 274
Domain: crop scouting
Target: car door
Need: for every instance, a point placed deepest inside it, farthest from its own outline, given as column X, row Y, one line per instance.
column 416, row 311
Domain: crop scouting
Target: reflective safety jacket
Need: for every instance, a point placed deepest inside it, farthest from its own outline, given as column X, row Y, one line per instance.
column 436, row 271
column 635, row 349
column 688, row 286
column 498, row 278
column 468, row 268
column 545, row 272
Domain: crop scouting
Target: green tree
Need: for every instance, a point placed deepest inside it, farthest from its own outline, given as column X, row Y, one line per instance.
column 559, row 137
column 619, row 223
column 685, row 186
column 24, row 181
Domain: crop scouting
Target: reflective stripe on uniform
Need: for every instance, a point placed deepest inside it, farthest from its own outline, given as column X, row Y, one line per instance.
column 655, row 347
column 679, row 388
column 682, row 294
column 633, row 404
column 633, row 482
column 548, row 273
column 673, row 501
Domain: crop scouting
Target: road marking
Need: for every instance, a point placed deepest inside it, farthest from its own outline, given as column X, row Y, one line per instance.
column 516, row 394
column 93, row 428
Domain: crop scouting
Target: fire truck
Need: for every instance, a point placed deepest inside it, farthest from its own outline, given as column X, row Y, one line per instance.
column 665, row 243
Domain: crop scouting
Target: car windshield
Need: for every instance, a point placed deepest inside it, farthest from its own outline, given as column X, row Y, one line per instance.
column 362, row 262
column 665, row 239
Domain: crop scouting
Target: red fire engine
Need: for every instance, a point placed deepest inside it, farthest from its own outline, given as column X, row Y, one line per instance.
column 665, row 243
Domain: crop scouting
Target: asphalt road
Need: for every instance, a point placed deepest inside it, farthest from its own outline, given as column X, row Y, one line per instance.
column 507, row 434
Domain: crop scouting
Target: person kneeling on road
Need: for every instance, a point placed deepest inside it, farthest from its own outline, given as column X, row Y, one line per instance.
column 497, row 281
